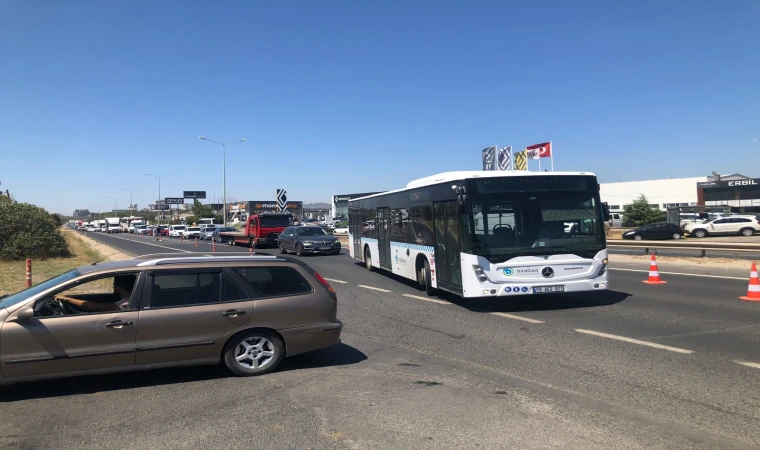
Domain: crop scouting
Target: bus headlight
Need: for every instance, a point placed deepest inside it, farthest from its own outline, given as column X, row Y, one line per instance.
column 603, row 270
column 479, row 273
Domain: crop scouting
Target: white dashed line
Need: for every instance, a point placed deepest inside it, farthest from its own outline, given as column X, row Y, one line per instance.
column 512, row 316
column 336, row 281
column 635, row 341
column 373, row 288
column 748, row 364
column 427, row 299
column 684, row 274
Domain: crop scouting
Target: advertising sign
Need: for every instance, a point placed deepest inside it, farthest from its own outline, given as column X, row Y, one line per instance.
column 195, row 194
column 174, row 201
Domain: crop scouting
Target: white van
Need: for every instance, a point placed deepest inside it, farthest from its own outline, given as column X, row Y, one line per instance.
column 616, row 220
column 176, row 230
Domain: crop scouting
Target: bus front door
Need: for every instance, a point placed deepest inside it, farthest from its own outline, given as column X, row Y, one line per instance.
column 384, row 237
column 448, row 268
column 355, row 228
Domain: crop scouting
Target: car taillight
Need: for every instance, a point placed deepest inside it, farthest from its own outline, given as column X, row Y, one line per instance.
column 327, row 286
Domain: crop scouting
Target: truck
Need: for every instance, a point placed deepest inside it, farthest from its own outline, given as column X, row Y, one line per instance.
column 99, row 225
column 259, row 230
column 112, row 225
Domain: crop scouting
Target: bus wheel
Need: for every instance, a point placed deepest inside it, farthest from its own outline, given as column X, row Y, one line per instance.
column 429, row 289
column 367, row 259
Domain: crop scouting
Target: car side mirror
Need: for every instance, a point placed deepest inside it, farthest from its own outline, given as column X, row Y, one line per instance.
column 25, row 314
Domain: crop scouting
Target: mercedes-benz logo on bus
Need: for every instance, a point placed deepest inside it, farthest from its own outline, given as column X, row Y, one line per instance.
column 547, row 272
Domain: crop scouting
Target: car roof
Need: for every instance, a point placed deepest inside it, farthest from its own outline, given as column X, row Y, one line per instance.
column 163, row 259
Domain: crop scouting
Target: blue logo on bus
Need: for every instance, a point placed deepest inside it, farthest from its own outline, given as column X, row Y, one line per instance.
column 507, row 289
column 525, row 289
column 508, row 271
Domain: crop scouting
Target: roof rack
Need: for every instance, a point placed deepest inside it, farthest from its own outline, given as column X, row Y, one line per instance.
column 207, row 259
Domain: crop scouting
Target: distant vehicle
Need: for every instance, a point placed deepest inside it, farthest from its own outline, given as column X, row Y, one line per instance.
column 207, row 232
column 209, row 221
column 341, row 230
column 141, row 229
column 734, row 224
column 306, row 239
column 260, row 229
column 191, row 232
column 131, row 225
column 661, row 230
column 90, row 227
column 616, row 220
column 112, row 225
column 125, row 222
column 177, row 230
column 215, row 234
column 163, row 230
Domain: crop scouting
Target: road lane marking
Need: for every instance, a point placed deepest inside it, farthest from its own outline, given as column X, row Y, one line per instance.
column 748, row 364
column 684, row 274
column 427, row 299
column 336, row 281
column 635, row 341
column 147, row 243
column 373, row 288
column 512, row 316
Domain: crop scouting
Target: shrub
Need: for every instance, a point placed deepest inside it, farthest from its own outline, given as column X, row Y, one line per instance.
column 29, row 231
column 639, row 213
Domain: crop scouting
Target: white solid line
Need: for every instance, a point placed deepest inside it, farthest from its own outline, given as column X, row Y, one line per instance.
column 684, row 274
column 748, row 364
column 148, row 243
column 635, row 341
column 427, row 299
column 512, row 316
column 336, row 281
column 373, row 288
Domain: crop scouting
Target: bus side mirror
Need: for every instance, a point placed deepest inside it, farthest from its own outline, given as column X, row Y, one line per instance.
column 606, row 212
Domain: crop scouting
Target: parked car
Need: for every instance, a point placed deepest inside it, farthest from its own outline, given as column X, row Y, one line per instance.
column 341, row 230
column 207, row 232
column 215, row 234
column 735, row 224
column 616, row 220
column 192, row 232
column 307, row 239
column 91, row 228
column 176, row 230
column 661, row 230
column 156, row 306
column 143, row 229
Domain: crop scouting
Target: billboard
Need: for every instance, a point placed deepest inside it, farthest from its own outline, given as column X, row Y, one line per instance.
column 174, row 201
column 194, row 194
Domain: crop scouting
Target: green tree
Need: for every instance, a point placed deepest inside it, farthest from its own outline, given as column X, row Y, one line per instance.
column 201, row 211
column 639, row 212
column 29, row 232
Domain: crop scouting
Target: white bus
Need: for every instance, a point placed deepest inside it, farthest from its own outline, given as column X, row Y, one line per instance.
column 480, row 234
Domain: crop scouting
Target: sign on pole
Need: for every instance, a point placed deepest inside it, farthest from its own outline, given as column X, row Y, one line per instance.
column 174, row 201
column 282, row 200
column 194, row 194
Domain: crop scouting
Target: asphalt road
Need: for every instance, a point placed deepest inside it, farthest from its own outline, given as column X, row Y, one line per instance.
column 670, row 366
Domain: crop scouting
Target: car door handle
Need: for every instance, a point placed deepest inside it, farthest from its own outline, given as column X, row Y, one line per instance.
column 233, row 312
column 117, row 323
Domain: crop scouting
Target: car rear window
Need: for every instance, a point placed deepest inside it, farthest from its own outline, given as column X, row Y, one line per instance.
column 274, row 281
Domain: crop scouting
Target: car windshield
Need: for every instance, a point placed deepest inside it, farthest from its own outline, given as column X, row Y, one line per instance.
column 311, row 231
column 36, row 289
column 226, row 229
column 275, row 221
column 517, row 224
column 208, row 229
column 179, row 227
column 194, row 229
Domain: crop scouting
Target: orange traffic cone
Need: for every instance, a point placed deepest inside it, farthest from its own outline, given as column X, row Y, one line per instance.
column 181, row 237
column 250, row 251
column 196, row 242
column 753, row 291
column 654, row 274
column 213, row 246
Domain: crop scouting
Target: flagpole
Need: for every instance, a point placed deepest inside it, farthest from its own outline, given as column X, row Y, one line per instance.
column 539, row 162
column 512, row 158
column 551, row 155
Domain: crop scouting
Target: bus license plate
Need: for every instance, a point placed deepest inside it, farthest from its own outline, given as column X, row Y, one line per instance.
column 544, row 289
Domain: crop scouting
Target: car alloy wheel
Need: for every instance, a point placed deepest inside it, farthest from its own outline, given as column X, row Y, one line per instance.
column 700, row 233
column 254, row 352
column 748, row 232
column 299, row 250
column 676, row 236
column 638, row 237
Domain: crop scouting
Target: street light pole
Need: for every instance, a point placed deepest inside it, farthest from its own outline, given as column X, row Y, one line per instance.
column 130, row 196
column 159, row 192
column 114, row 203
column 224, row 171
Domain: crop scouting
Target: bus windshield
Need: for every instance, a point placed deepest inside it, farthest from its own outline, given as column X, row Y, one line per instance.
column 522, row 224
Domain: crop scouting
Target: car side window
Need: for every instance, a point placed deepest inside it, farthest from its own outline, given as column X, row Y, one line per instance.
column 742, row 220
column 231, row 292
column 274, row 281
column 719, row 221
column 184, row 289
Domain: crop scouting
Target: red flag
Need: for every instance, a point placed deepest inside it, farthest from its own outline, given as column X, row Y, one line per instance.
column 544, row 150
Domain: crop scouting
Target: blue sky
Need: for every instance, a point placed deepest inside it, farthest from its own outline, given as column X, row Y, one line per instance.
column 355, row 96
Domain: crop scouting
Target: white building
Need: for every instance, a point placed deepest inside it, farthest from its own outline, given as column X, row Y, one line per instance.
column 660, row 193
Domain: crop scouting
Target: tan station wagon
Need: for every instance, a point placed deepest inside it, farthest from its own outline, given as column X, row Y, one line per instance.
column 167, row 310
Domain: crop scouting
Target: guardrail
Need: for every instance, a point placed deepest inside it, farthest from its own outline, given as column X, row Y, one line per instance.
column 703, row 247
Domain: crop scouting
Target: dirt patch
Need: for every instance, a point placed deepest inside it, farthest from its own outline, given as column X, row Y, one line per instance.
column 110, row 253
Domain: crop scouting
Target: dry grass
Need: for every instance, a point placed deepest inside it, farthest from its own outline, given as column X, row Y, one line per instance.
column 12, row 274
